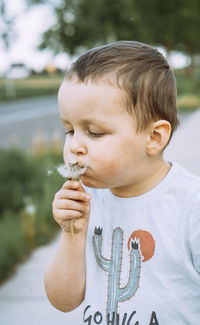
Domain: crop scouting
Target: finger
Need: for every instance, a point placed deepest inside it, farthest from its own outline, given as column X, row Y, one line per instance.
column 70, row 184
column 73, row 226
column 65, row 215
column 70, row 205
column 73, row 195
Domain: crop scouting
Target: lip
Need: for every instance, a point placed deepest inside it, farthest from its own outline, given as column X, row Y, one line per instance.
column 75, row 161
column 81, row 167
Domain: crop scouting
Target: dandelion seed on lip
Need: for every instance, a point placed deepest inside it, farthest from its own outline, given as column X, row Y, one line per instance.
column 71, row 170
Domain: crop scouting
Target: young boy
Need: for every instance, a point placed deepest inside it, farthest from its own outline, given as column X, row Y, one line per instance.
column 135, row 258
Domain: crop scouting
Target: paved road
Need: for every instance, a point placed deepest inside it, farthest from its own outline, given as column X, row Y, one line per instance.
column 24, row 122
column 25, row 109
column 184, row 147
column 22, row 298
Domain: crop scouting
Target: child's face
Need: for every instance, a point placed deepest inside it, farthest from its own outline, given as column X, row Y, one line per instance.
column 101, row 135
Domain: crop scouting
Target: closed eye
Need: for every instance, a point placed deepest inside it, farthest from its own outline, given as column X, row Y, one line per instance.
column 90, row 133
column 69, row 132
column 96, row 134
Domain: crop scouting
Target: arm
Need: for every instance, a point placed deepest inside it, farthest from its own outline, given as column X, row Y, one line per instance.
column 65, row 276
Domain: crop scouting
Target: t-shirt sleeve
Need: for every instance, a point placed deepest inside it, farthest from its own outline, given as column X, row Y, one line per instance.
column 195, row 236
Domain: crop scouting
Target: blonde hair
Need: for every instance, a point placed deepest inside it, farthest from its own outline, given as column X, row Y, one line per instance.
column 141, row 71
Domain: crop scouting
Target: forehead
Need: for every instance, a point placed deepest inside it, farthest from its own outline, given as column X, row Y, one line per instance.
column 90, row 97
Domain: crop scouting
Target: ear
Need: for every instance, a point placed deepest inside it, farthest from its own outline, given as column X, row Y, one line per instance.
column 158, row 137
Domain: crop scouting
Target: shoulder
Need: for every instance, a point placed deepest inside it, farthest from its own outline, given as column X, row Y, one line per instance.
column 189, row 194
column 187, row 184
column 186, row 196
column 186, row 175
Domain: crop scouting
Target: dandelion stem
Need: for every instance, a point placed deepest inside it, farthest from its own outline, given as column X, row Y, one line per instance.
column 75, row 178
column 72, row 228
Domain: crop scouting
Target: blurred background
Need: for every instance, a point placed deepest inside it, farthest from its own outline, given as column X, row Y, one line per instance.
column 39, row 39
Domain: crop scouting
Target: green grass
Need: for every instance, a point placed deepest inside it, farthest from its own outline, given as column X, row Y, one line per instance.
column 31, row 87
column 188, row 85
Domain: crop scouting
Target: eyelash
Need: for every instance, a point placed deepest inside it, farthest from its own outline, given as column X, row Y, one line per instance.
column 92, row 134
column 69, row 132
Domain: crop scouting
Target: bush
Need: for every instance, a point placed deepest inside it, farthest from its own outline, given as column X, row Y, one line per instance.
column 12, row 243
column 26, row 195
column 19, row 178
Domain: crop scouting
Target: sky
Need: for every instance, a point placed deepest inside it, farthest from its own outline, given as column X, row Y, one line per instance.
column 29, row 26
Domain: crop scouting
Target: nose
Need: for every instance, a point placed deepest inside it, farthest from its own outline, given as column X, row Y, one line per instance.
column 76, row 145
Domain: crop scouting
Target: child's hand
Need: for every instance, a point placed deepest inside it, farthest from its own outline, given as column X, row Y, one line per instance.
column 72, row 204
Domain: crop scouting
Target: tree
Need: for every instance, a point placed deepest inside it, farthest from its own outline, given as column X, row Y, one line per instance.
column 7, row 22
column 6, row 36
column 171, row 24
column 85, row 23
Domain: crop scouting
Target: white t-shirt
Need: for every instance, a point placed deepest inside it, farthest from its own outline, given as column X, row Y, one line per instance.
column 143, row 255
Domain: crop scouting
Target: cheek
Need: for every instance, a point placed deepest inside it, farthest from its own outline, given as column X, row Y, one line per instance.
column 119, row 155
column 110, row 158
column 65, row 152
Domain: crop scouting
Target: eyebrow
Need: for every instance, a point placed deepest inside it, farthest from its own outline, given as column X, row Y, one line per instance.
column 88, row 121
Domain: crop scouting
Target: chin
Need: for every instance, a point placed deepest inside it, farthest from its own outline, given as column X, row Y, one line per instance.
column 91, row 183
